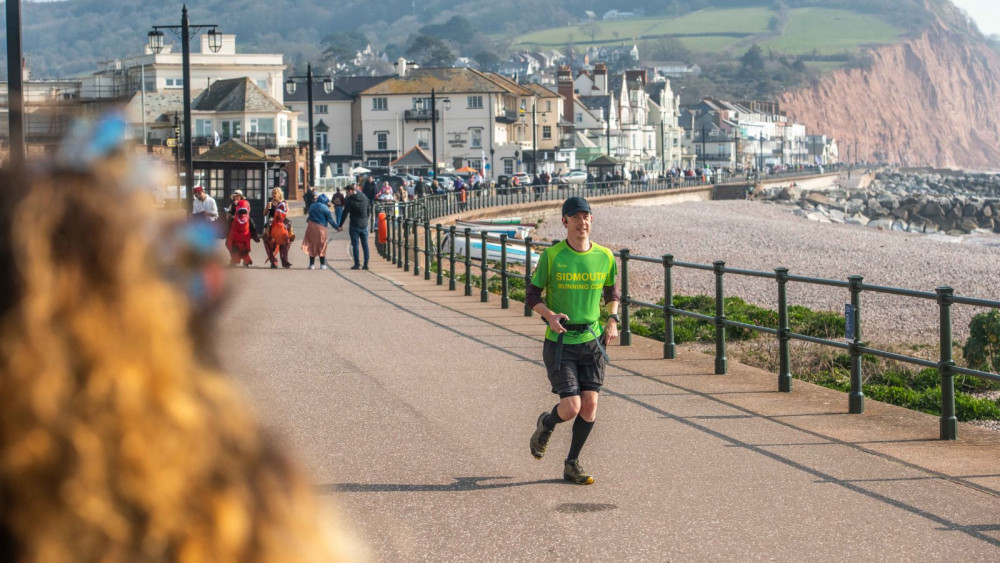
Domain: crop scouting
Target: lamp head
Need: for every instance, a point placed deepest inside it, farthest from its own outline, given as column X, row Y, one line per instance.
column 155, row 40
column 290, row 86
column 214, row 40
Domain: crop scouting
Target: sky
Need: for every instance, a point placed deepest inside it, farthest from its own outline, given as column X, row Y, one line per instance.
column 986, row 14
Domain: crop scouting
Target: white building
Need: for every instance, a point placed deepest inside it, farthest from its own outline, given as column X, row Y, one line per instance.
column 479, row 119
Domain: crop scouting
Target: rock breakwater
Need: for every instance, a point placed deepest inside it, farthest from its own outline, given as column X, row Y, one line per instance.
column 916, row 203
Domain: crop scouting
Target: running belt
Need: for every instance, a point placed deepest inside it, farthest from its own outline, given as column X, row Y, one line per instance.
column 578, row 328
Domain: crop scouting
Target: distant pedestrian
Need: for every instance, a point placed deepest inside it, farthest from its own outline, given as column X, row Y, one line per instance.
column 241, row 231
column 357, row 209
column 234, row 198
column 309, row 197
column 205, row 207
column 315, row 242
column 277, row 230
column 338, row 204
column 574, row 274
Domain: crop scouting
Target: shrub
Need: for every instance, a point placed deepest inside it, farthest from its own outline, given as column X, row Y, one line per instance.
column 982, row 349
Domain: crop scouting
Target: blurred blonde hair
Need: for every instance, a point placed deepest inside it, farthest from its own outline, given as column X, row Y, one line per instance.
column 277, row 194
column 117, row 442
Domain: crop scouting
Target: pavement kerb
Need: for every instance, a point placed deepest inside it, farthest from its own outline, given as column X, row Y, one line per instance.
column 899, row 434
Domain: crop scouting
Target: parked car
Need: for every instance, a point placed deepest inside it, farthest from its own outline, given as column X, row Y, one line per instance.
column 573, row 177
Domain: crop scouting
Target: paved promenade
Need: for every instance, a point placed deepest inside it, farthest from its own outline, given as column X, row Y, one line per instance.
column 412, row 407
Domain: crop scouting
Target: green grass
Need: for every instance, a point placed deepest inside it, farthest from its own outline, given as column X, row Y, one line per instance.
column 820, row 30
column 742, row 21
column 830, row 31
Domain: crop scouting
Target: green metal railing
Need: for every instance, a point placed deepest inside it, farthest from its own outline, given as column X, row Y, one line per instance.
column 410, row 218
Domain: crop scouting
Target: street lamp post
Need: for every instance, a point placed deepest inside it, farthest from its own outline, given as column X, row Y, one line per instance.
column 760, row 153
column 446, row 105
column 534, row 144
column 327, row 88
column 15, row 86
column 704, row 157
column 663, row 143
column 183, row 32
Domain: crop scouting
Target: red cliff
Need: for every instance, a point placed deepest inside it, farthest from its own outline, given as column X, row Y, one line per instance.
column 933, row 100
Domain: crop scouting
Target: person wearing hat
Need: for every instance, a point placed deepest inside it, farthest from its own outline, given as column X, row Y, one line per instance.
column 356, row 207
column 205, row 207
column 574, row 274
column 234, row 198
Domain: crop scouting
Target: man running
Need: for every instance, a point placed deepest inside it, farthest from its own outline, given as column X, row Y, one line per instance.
column 574, row 274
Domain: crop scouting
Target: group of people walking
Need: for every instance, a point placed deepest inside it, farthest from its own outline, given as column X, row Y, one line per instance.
column 240, row 230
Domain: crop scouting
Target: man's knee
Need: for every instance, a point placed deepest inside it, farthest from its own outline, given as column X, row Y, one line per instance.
column 569, row 407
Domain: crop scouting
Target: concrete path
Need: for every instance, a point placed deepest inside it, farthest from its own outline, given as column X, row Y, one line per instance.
column 412, row 407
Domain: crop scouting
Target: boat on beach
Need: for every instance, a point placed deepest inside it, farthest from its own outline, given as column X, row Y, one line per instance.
column 512, row 229
column 515, row 252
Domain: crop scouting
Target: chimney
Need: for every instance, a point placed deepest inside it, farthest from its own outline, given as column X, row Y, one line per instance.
column 636, row 75
column 601, row 78
column 400, row 65
column 565, row 82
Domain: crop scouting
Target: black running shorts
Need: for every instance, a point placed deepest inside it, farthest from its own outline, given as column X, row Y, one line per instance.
column 581, row 369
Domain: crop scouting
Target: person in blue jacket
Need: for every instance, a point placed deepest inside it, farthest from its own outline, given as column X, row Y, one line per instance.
column 314, row 243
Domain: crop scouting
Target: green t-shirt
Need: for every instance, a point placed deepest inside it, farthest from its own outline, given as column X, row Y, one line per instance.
column 573, row 283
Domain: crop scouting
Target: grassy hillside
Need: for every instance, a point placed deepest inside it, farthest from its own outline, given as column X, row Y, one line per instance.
column 798, row 31
column 830, row 31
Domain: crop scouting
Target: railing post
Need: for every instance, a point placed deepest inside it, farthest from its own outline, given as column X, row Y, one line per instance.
column 669, row 345
column 949, row 423
column 440, row 264
column 393, row 233
column 468, row 261
column 720, row 317
column 416, row 247
column 451, row 237
column 427, row 249
column 527, row 274
column 484, row 295
column 504, row 300
column 784, row 333
column 625, row 334
column 856, row 400
column 406, row 245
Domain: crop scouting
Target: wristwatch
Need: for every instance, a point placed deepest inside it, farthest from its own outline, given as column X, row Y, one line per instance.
column 615, row 318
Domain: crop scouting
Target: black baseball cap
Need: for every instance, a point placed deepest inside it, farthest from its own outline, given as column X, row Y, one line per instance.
column 574, row 205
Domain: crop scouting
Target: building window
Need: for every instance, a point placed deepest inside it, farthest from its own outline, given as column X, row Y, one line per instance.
column 262, row 84
column 476, row 163
column 579, row 117
column 175, row 83
column 321, row 141
column 380, row 104
column 382, row 140
column 359, row 145
column 423, row 138
column 508, row 166
column 546, row 131
column 476, row 138
column 320, row 108
column 231, row 129
column 372, row 162
column 203, row 128
column 475, row 102
column 422, row 103
column 548, row 105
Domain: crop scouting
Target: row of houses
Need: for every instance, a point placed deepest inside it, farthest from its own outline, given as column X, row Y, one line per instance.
column 483, row 120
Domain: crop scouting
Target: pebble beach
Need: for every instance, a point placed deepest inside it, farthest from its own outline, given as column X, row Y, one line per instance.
column 759, row 236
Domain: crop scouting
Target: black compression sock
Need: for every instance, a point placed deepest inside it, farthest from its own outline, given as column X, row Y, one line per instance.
column 581, row 430
column 552, row 419
column 322, row 260
column 312, row 260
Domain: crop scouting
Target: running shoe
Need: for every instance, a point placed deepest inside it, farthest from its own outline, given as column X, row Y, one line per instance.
column 576, row 474
column 540, row 439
